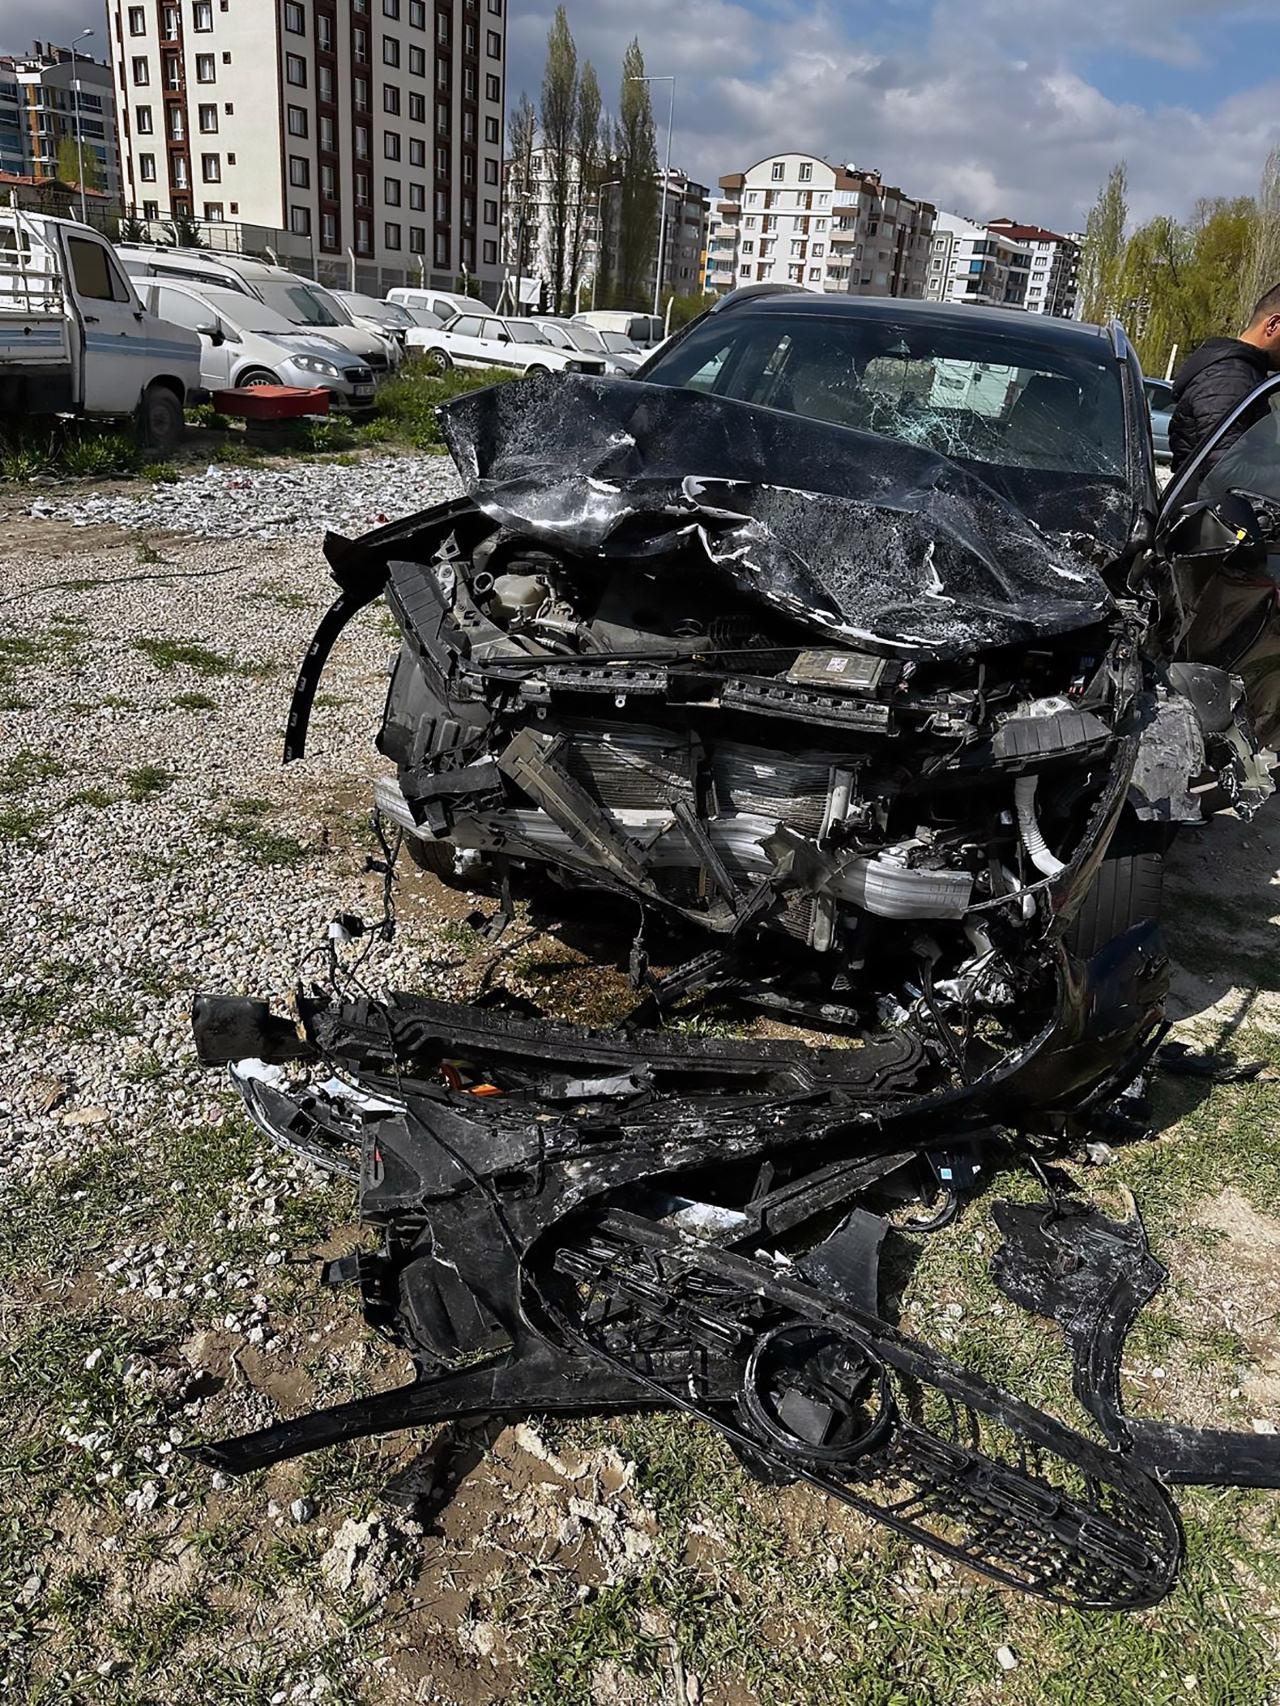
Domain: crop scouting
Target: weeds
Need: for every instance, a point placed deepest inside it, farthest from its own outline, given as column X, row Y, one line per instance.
column 147, row 781
column 185, row 654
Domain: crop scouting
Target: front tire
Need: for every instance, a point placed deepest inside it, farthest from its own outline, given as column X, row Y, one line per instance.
column 1128, row 890
column 535, row 367
column 436, row 361
column 255, row 379
column 160, row 419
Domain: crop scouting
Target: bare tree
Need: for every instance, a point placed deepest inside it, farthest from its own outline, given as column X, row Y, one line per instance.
column 559, row 114
column 1262, row 267
column 586, row 148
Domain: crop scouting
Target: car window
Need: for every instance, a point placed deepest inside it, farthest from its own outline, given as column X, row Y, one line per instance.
column 523, row 333
column 617, row 343
column 423, row 317
column 1250, row 465
column 1000, row 399
column 183, row 310
column 559, row 338
column 1159, row 393
column 96, row 279
column 492, row 329
column 301, row 305
column 466, row 326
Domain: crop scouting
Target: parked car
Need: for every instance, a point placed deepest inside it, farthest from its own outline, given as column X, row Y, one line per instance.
column 246, row 343
column 442, row 303
column 75, row 339
column 474, row 340
column 388, row 319
column 619, row 357
column 644, row 330
column 305, row 304
column 1159, row 394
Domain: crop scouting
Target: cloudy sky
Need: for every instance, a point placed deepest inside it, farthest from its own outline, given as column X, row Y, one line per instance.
column 986, row 107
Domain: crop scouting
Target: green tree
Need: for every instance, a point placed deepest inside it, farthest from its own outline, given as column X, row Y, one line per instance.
column 1180, row 281
column 558, row 110
column 586, row 150
column 1262, row 266
column 181, row 231
column 522, row 204
column 638, row 171
column 688, row 307
column 610, row 153
column 1102, row 263
column 75, row 158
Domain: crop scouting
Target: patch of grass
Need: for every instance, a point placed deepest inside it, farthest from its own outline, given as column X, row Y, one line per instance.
column 255, row 841
column 234, row 453
column 163, row 473
column 147, row 553
column 98, row 799
column 276, row 592
column 185, row 654
column 59, row 642
column 406, row 405
column 147, row 781
column 26, row 769
column 194, row 702
column 205, row 415
column 21, row 823
column 100, row 456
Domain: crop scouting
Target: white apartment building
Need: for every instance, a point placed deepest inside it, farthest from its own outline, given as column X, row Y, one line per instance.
column 1053, row 281
column 794, row 219
column 976, row 263
column 366, row 133
column 528, row 223
column 38, row 109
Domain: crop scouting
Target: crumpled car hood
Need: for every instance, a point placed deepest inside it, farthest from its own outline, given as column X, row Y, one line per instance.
column 845, row 531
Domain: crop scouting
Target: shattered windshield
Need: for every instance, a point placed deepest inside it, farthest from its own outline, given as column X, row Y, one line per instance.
column 999, row 401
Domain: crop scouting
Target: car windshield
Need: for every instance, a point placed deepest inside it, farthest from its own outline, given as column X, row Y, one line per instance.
column 558, row 336
column 422, row 317
column 523, row 333
column 304, row 305
column 586, row 337
column 617, row 343
column 994, row 398
column 385, row 313
column 246, row 313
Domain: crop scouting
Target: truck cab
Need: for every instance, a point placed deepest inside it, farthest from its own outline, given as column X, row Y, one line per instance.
column 76, row 340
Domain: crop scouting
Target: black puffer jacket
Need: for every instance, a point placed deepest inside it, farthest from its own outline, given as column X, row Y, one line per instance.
column 1208, row 385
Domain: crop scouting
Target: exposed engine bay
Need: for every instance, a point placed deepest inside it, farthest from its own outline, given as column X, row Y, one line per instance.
column 894, row 761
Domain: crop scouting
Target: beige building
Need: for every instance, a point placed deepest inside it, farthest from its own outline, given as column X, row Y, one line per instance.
column 365, row 135
column 794, row 219
column 41, row 106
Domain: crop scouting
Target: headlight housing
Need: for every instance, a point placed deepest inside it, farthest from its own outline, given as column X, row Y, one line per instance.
column 317, row 364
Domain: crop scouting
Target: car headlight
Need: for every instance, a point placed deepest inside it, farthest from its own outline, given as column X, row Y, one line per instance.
column 317, row 364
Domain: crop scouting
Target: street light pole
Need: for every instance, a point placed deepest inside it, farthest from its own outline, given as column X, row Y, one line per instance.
column 75, row 105
column 666, row 176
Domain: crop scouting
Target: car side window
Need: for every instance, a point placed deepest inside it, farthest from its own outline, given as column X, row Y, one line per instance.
column 466, row 326
column 493, row 329
column 704, row 378
column 1250, row 465
column 182, row 310
column 96, row 279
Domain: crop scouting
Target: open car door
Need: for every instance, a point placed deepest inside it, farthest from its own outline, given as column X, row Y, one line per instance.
column 1218, row 532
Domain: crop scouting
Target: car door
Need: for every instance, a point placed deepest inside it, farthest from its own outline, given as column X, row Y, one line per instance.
column 118, row 358
column 182, row 308
column 499, row 351
column 1218, row 539
column 463, row 341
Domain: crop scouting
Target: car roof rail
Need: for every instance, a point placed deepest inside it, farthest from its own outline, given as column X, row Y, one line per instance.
column 750, row 292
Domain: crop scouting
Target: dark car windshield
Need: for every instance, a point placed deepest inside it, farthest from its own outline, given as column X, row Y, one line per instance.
column 992, row 398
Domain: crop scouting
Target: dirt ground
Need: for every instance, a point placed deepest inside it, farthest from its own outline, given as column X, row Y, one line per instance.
column 158, row 1259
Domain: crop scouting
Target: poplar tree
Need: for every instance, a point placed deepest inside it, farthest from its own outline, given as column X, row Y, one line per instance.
column 1102, row 262
column 638, row 171
column 586, row 148
column 559, row 108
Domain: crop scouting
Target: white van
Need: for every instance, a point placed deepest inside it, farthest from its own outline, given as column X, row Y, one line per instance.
column 75, row 339
column 305, row 304
column 443, row 303
column 644, row 330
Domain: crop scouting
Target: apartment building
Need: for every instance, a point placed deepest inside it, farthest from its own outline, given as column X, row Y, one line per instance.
column 794, row 219
column 1054, row 278
column 529, row 223
column 688, row 211
column 38, row 109
column 366, row 133
column 977, row 263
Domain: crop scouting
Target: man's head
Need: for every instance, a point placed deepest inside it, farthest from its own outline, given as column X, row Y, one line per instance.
column 1263, row 330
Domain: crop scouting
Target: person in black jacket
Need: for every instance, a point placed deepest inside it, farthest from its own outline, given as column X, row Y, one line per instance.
column 1220, row 374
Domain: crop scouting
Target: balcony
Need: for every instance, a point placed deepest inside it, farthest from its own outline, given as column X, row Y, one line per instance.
column 729, row 207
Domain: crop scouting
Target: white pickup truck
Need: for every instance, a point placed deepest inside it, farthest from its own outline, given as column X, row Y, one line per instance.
column 75, row 339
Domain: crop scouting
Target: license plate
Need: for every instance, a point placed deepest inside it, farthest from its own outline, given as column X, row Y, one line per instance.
column 364, row 390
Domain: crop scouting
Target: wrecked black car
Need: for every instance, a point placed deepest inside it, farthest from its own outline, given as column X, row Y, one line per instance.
column 836, row 645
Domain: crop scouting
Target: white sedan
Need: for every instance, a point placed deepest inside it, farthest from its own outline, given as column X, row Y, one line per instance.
column 475, row 340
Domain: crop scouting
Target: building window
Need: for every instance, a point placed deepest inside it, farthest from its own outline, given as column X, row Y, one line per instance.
column 442, row 120
column 226, row 59
column 779, row 167
column 442, row 28
column 468, row 169
column 417, row 198
column 493, row 44
column 748, row 246
column 300, row 220
column 391, row 191
column 178, row 172
column 495, row 6
column 491, row 130
column 391, row 145
column 806, row 171
column 390, row 99
column 297, row 121
column 363, row 242
column 442, row 207
column 490, row 252
column 142, row 116
column 299, row 172
column 417, row 62
column 417, row 151
column 151, row 210
column 468, row 38
column 491, row 171
column 205, row 72
column 390, row 50
column 818, row 249
column 208, row 117
column 329, row 230
column 141, row 73
column 417, row 240
column 326, row 131
column 137, row 20
column 418, row 14
column 362, row 142
column 295, row 70
column 469, row 84
column 492, row 87
column 202, row 15
column 391, row 235
column 361, row 94
column 147, row 168
column 442, row 249
column 211, row 168
column 442, row 162
column 491, row 213
column 360, row 46
column 324, row 82
column 324, row 34
column 469, row 128
column 417, row 109
column 328, row 181
column 391, row 8
column 213, row 210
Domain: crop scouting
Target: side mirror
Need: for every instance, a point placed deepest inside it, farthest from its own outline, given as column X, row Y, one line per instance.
column 1226, row 533
column 210, row 330
column 504, row 337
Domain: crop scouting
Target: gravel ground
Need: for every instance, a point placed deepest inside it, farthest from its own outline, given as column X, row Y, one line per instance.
column 157, row 1259
column 267, row 503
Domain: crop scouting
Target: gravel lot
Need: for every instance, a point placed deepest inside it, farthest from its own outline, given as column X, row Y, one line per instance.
column 157, row 1261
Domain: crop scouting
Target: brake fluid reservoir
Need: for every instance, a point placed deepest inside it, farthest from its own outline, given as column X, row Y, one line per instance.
column 518, row 596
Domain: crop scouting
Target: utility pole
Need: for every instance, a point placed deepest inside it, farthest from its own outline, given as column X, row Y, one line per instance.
column 75, row 106
column 666, row 175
